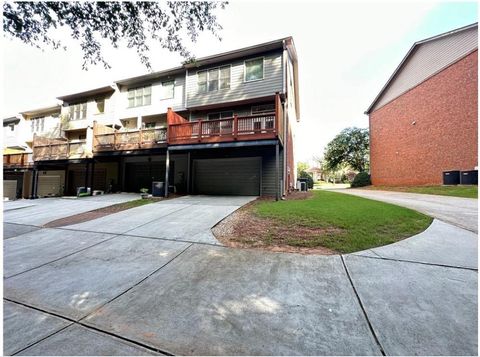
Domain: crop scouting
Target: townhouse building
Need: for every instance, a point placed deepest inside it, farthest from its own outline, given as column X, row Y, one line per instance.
column 222, row 124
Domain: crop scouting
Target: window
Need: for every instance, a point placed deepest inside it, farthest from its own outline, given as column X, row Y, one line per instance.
column 213, row 79
column 222, row 115
column 263, row 109
column 202, row 81
column 100, row 105
column 254, row 69
column 150, row 125
column 82, row 137
column 78, row 111
column 139, row 96
column 167, row 90
column 38, row 124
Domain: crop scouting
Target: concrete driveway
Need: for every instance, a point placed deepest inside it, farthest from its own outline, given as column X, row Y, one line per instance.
column 150, row 280
column 461, row 212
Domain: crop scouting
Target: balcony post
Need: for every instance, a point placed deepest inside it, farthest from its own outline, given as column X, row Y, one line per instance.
column 140, row 138
column 200, row 131
column 277, row 172
column 115, row 139
column 167, row 169
column 277, row 112
column 235, row 126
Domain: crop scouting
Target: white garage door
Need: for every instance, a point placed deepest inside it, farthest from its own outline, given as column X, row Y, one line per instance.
column 10, row 189
column 48, row 186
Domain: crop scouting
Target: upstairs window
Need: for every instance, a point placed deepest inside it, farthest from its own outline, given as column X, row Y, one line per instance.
column 78, row 111
column 213, row 79
column 37, row 124
column 100, row 105
column 140, row 96
column 168, row 89
column 254, row 69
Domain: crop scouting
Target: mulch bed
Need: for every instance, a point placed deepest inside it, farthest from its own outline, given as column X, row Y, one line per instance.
column 99, row 212
column 243, row 229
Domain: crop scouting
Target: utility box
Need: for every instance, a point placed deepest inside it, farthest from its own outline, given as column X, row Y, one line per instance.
column 158, row 188
column 451, row 177
column 469, row 177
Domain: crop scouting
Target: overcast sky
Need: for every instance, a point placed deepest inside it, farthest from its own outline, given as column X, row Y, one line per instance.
column 346, row 53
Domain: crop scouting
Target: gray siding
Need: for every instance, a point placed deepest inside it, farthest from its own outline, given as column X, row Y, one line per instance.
column 427, row 59
column 239, row 90
column 269, row 172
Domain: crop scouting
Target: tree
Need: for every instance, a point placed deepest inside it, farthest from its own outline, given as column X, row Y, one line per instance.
column 167, row 23
column 301, row 166
column 350, row 147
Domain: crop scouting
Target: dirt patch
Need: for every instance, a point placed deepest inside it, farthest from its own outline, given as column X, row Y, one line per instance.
column 244, row 229
column 102, row 212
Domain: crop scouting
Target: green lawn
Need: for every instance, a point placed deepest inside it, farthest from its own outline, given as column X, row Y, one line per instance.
column 470, row 191
column 346, row 223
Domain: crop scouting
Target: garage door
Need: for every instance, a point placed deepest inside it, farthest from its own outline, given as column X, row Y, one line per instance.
column 239, row 176
column 10, row 189
column 140, row 175
column 48, row 185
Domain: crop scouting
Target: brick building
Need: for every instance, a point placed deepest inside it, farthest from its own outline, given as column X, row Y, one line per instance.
column 425, row 119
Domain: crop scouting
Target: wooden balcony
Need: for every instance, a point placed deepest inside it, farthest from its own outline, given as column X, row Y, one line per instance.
column 45, row 149
column 237, row 128
column 108, row 139
column 17, row 160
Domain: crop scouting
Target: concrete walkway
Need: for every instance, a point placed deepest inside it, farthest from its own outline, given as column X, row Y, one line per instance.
column 461, row 212
column 93, row 290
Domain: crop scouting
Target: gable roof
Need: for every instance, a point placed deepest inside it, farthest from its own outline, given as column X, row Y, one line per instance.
column 439, row 52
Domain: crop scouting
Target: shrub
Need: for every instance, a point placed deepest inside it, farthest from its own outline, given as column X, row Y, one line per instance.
column 306, row 175
column 361, row 179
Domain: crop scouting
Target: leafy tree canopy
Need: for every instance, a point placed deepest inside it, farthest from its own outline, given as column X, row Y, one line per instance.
column 350, row 147
column 301, row 166
column 167, row 23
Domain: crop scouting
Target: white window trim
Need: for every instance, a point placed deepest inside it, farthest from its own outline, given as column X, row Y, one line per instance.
column 173, row 92
column 218, row 88
column 143, row 95
column 245, row 69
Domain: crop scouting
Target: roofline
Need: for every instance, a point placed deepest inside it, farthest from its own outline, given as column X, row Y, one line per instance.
column 414, row 46
column 219, row 56
column 87, row 93
column 42, row 110
column 198, row 61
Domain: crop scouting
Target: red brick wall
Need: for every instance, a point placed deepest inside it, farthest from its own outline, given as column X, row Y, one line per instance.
column 444, row 137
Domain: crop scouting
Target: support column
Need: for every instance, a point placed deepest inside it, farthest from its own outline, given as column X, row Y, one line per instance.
column 277, row 172
column 87, row 165
column 34, row 183
column 188, row 173
column 91, row 177
column 167, row 171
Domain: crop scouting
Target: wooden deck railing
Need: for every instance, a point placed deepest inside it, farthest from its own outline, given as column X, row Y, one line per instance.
column 237, row 128
column 108, row 139
column 17, row 160
column 58, row 149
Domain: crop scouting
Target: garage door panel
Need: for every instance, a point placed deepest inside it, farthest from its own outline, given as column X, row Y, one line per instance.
column 48, row 186
column 238, row 176
column 10, row 189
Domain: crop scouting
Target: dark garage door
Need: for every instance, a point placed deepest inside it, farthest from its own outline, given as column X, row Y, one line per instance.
column 236, row 176
column 140, row 175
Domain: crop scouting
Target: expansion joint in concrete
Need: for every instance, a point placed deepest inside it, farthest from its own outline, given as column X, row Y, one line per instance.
column 363, row 308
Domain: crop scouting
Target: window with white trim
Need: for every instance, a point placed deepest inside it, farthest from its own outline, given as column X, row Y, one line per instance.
column 168, row 90
column 37, row 124
column 100, row 103
column 214, row 79
column 78, row 111
column 254, row 69
column 140, row 96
